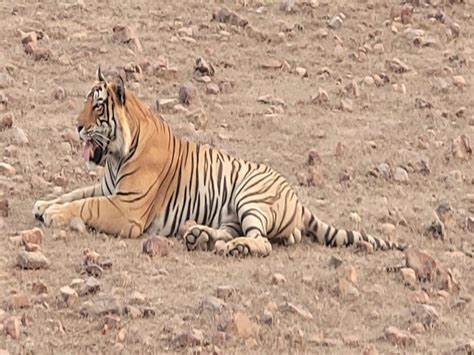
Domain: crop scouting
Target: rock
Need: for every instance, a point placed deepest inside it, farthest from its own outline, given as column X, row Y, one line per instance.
column 39, row 287
column 369, row 81
column 345, row 288
column 287, row 6
column 419, row 297
column 314, row 158
column 335, row 22
column 213, row 303
column 397, row 66
column 461, row 148
column 398, row 337
column 370, row 349
column 417, row 328
column 202, row 67
column 271, row 64
column 225, row 292
column 267, row 317
column 137, row 298
column 424, row 265
column 212, row 89
column 322, row 33
column 346, row 105
column 34, row 236
column 122, row 34
column 90, row 286
column 241, row 326
column 321, row 98
column 409, row 276
column 6, row 121
column 4, row 207
column 186, row 93
column 20, row 301
column 133, row 312
column 278, row 279
column 470, row 224
column 41, row 54
column 388, row 229
column 156, row 246
column 224, row 15
column 68, row 295
column 379, row 48
column 7, row 169
column 291, row 308
column 319, row 340
column 193, row 337
column 31, row 260
column 122, row 334
column 148, row 312
column 301, row 72
column 101, row 306
column 425, row 314
column 59, row 93
column 459, row 81
column 12, row 327
column 335, row 262
column 348, row 272
column 77, row 225
column 400, row 175
column 445, row 212
column 112, row 321
column 271, row 100
column 19, row 136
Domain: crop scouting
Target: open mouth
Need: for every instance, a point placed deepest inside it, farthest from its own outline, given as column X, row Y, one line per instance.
column 92, row 152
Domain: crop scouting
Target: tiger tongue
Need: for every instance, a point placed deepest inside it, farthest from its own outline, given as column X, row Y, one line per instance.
column 88, row 151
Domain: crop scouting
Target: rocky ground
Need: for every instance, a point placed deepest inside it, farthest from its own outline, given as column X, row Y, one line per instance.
column 365, row 106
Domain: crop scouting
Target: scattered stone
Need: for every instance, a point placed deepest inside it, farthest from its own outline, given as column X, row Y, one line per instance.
column 321, row 98
column 291, row 308
column 90, row 286
column 271, row 100
column 186, row 93
column 398, row 337
column 278, row 279
column 202, row 67
column 470, row 224
column 7, row 169
column 459, row 81
column 335, row 22
column 69, row 295
column 335, row 262
column 225, row 292
column 101, row 306
column 112, row 321
column 190, row 338
column 241, row 326
column 94, row 270
column 39, row 287
column 267, row 317
column 419, row 297
column 123, row 34
column 212, row 89
column 409, row 276
column 20, row 301
column 59, row 93
column 322, row 33
column 19, row 136
column 347, row 105
column 31, row 260
column 370, row 349
column 397, row 66
column 148, row 312
column 271, row 64
column 400, row 175
column 12, row 327
column 461, row 148
column 301, row 72
column 424, row 265
column 224, row 15
column 6, row 121
column 137, row 298
column 133, row 312
column 157, row 246
column 213, row 303
column 425, row 314
column 313, row 157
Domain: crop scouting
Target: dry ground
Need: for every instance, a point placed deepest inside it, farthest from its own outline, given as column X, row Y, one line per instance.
column 385, row 125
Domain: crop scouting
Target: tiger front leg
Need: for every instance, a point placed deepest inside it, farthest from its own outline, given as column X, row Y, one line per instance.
column 108, row 214
column 41, row 206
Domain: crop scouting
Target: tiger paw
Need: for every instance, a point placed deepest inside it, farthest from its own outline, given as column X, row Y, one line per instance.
column 40, row 207
column 244, row 246
column 57, row 215
column 199, row 238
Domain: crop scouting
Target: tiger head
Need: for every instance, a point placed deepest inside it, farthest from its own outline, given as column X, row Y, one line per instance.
column 102, row 124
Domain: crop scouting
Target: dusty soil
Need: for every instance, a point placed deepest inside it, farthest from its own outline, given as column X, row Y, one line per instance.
column 409, row 122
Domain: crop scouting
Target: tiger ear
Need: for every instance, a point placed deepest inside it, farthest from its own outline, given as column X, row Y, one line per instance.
column 119, row 88
column 100, row 76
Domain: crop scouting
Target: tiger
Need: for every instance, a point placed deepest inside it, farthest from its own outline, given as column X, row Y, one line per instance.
column 154, row 181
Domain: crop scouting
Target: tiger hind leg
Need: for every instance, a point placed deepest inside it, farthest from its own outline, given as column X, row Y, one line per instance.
column 204, row 238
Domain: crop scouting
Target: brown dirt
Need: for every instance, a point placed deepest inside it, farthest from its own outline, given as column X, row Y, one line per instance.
column 402, row 133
